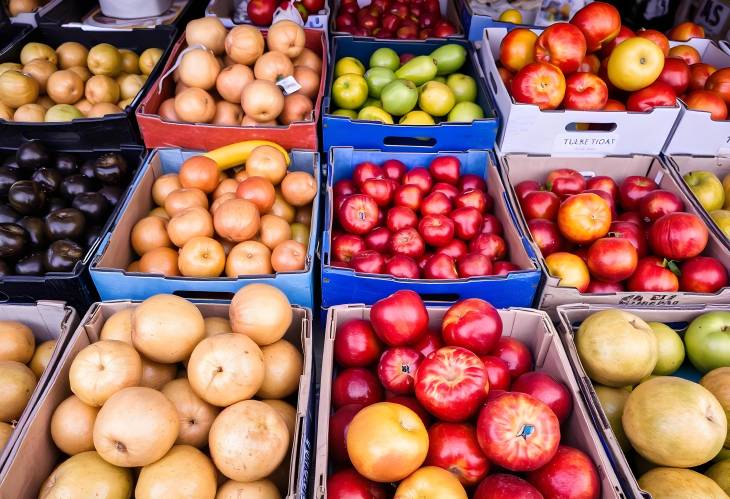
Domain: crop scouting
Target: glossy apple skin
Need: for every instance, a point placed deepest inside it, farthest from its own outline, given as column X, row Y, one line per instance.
column 440, row 266
column 658, row 94
column 394, row 169
column 473, row 324
column 344, row 187
column 467, row 222
column 708, row 101
column 504, row 486
column 612, row 259
column 436, row 230
column 399, row 319
column 583, row 218
column 455, row 249
column 603, row 183
column 489, row 245
column 410, row 402
column 420, row 177
column 719, row 82
column 358, row 214
column 502, row 267
column 591, row 64
column 397, row 368
column 655, row 37
column 678, row 236
column 634, row 188
column 686, row 30
column 634, row 233
column 454, row 447
column 402, row 266
column 364, row 171
column 539, row 83
column 368, row 262
column 407, row 242
column 436, row 203
column 400, row 217
column 548, row 390
column 518, row 432
column 345, row 246
column 698, row 75
column 604, row 287
column 517, row 49
column 448, row 190
column 570, row 268
column 585, row 92
column 607, row 197
column 378, row 239
column 565, row 182
column 451, row 384
column 474, row 265
column 491, row 225
column 470, row 181
column 356, row 386
column 631, row 216
column 540, row 204
column 445, row 169
column 563, row 45
column 473, row 198
column 676, row 74
column 599, row 22
column 497, row 372
column 624, row 33
column 658, row 203
column 429, row 342
column 356, row 344
column 570, row 474
column 349, row 484
column 525, row 187
column 339, row 422
column 379, row 189
column 546, row 235
column 515, row 354
column 409, row 196
column 689, row 54
column 702, row 274
column 652, row 275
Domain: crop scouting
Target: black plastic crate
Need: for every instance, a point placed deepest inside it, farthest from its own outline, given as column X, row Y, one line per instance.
column 87, row 133
column 76, row 288
column 10, row 32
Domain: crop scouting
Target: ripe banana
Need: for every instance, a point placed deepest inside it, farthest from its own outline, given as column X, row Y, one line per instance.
column 237, row 154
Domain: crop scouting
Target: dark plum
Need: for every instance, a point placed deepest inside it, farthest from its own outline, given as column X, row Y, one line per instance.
column 66, row 223
column 93, row 205
column 74, row 185
column 61, row 256
column 13, row 240
column 33, row 155
column 67, row 164
column 27, row 197
column 8, row 215
column 111, row 168
column 30, row 265
column 36, row 229
column 49, row 178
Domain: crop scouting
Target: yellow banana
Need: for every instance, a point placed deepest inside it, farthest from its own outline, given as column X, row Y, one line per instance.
column 237, row 154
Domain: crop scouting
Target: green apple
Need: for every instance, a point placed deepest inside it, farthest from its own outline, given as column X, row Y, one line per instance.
column 671, row 349
column 612, row 401
column 465, row 112
column 372, row 113
column 449, row 58
column 419, row 70
column 348, row 113
column 385, row 58
column 373, row 102
column 463, row 86
column 722, row 219
column 377, row 79
column 720, row 473
column 707, row 340
column 349, row 65
column 399, row 97
column 436, row 98
column 417, row 118
column 707, row 188
column 350, row 91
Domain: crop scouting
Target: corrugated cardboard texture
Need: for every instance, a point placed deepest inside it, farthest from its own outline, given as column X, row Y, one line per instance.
column 529, row 326
column 35, row 457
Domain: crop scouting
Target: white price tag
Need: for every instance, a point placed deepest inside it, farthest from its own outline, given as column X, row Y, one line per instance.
column 289, row 85
column 586, row 142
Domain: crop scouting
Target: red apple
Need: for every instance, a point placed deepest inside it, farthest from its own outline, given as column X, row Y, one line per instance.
column 548, row 390
column 604, row 287
column 515, row 354
column 634, row 188
column 624, row 33
column 343, row 188
column 467, row 222
column 451, row 383
column 698, row 75
column 423, row 260
column 612, row 259
column 658, row 203
column 392, row 168
column 454, row 447
column 410, row 402
column 609, row 199
column 676, row 74
column 420, row 177
column 473, row 324
column 540, row 204
column 358, row 214
column 501, row 267
column 435, row 203
column 448, row 190
column 652, row 275
column 656, row 37
column 455, row 249
column 378, row 239
column 261, row 12
column 407, row 242
column 585, row 92
column 349, row 484
column 686, row 30
column 402, row 266
column 546, row 235
column 518, row 432
column 400, row 217
column 702, row 274
column 525, row 187
column 445, row 169
column 368, row 262
column 473, row 198
column 379, row 189
column 591, row 64
column 356, row 344
column 678, row 236
column 708, row 101
column 397, row 368
column 563, row 45
column 345, row 246
column 344, row 21
column 355, row 386
column 399, row 319
column 474, row 265
column 603, row 183
column 366, row 170
column 440, row 266
column 443, row 29
column 570, row 474
column 539, row 83
column 340, row 264
column 599, row 22
column 497, row 372
column 503, row 486
column 429, row 342
column 339, row 422
column 633, row 233
column 409, row 196
column 436, row 230
column 658, row 94
column 491, row 225
column 631, row 216
column 489, row 245
column 565, row 182
column 470, row 181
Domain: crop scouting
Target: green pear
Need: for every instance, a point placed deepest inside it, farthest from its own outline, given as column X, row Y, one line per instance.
column 707, row 188
column 377, row 79
column 419, row 70
column 722, row 219
column 449, row 58
column 399, row 97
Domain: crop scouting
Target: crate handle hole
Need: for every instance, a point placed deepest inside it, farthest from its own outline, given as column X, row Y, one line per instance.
column 590, row 127
column 204, row 295
column 440, row 297
column 410, row 141
column 54, row 139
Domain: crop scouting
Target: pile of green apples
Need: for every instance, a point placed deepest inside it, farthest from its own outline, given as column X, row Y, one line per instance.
column 713, row 195
column 415, row 90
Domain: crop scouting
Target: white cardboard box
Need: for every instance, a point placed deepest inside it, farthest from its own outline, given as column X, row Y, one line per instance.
column 224, row 10
column 526, row 129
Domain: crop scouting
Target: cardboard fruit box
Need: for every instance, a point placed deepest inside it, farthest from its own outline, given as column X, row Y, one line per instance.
column 157, row 132
column 569, row 319
column 35, row 455
column 49, row 320
column 533, row 328
column 527, row 129
column 114, row 254
column 519, row 167
column 225, row 11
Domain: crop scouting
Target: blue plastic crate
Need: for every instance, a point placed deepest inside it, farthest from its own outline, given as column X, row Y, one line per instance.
column 341, row 285
column 344, row 131
column 112, row 257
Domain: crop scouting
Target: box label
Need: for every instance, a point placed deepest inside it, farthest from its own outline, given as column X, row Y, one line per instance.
column 649, row 300
column 604, row 143
column 713, row 16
